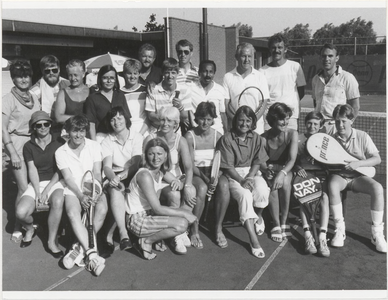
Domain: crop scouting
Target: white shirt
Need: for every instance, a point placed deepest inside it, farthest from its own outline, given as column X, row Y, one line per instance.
column 216, row 94
column 283, row 82
column 234, row 84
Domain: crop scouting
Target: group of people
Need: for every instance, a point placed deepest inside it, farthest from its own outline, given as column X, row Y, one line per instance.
column 151, row 143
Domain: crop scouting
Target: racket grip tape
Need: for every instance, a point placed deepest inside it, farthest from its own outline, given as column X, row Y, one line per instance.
column 91, row 236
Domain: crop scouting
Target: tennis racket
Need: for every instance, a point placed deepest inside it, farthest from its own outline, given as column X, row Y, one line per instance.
column 308, row 191
column 327, row 150
column 248, row 93
column 91, row 188
column 213, row 180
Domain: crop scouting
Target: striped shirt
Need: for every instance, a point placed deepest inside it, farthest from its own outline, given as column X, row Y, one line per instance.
column 159, row 97
column 187, row 77
column 136, row 100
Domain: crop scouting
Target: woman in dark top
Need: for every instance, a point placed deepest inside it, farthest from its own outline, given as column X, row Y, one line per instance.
column 282, row 148
column 45, row 186
column 70, row 101
column 98, row 104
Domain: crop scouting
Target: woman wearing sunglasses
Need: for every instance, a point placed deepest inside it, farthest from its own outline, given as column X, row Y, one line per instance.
column 44, row 186
column 70, row 101
column 18, row 106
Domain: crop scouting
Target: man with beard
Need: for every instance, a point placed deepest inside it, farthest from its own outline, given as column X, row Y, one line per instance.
column 47, row 88
column 208, row 90
column 149, row 72
column 285, row 79
column 241, row 77
column 333, row 86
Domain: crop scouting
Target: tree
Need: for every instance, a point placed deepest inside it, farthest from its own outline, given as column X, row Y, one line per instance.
column 297, row 36
column 152, row 25
column 244, row 29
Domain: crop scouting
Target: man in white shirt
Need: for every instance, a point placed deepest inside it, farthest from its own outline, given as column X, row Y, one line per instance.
column 208, row 90
column 285, row 79
column 242, row 77
column 47, row 88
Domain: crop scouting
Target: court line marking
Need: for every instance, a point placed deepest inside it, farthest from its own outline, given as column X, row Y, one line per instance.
column 63, row 280
column 256, row 278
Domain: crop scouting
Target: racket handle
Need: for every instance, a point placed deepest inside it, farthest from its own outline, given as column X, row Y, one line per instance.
column 177, row 94
column 91, row 236
column 207, row 204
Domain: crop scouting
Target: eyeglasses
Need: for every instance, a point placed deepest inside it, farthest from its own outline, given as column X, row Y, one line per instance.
column 48, row 71
column 186, row 52
column 40, row 125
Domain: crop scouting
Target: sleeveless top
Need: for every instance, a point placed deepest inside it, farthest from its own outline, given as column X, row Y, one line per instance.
column 203, row 157
column 73, row 107
column 136, row 201
column 175, row 169
column 280, row 155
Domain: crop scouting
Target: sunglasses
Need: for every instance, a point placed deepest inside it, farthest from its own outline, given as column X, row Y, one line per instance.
column 48, row 71
column 186, row 52
column 40, row 125
column 20, row 66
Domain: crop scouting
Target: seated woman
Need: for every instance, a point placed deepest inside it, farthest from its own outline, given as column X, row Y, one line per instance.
column 135, row 95
column 148, row 219
column 98, row 104
column 44, row 186
column 242, row 155
column 17, row 107
column 70, row 101
column 282, row 148
column 169, row 119
column 74, row 158
column 359, row 144
column 121, row 149
column 202, row 141
column 314, row 121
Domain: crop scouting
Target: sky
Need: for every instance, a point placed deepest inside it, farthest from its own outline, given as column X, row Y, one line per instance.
column 266, row 18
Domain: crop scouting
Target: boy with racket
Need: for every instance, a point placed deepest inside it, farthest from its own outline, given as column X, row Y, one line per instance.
column 359, row 144
column 314, row 121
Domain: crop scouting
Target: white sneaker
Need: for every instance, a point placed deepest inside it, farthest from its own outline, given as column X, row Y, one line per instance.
column 74, row 256
column 95, row 263
column 339, row 236
column 186, row 240
column 378, row 238
column 323, row 249
column 178, row 244
column 309, row 246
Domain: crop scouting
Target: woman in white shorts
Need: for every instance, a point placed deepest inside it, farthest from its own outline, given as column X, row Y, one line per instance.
column 44, row 186
column 147, row 218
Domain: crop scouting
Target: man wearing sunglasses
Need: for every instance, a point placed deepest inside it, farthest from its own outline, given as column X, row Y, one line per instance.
column 187, row 72
column 47, row 88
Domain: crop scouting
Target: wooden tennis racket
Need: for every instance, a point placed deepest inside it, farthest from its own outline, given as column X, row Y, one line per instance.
column 308, row 191
column 213, row 181
column 91, row 188
column 327, row 150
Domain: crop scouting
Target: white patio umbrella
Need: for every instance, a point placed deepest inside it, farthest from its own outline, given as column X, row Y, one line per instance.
column 117, row 61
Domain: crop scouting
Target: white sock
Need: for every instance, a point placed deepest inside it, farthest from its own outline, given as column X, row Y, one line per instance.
column 377, row 217
column 322, row 235
column 337, row 214
column 307, row 233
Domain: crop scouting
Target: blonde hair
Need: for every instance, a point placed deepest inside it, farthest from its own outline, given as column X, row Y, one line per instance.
column 171, row 113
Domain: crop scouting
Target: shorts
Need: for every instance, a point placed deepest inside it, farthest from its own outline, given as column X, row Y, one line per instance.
column 349, row 182
column 31, row 192
column 144, row 224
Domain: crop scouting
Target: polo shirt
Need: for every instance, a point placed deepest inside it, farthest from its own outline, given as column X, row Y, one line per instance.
column 283, row 83
column 44, row 160
column 190, row 76
column 67, row 159
column 159, row 97
column 122, row 153
column 155, row 76
column 234, row 84
column 97, row 106
column 237, row 153
column 215, row 95
column 341, row 87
